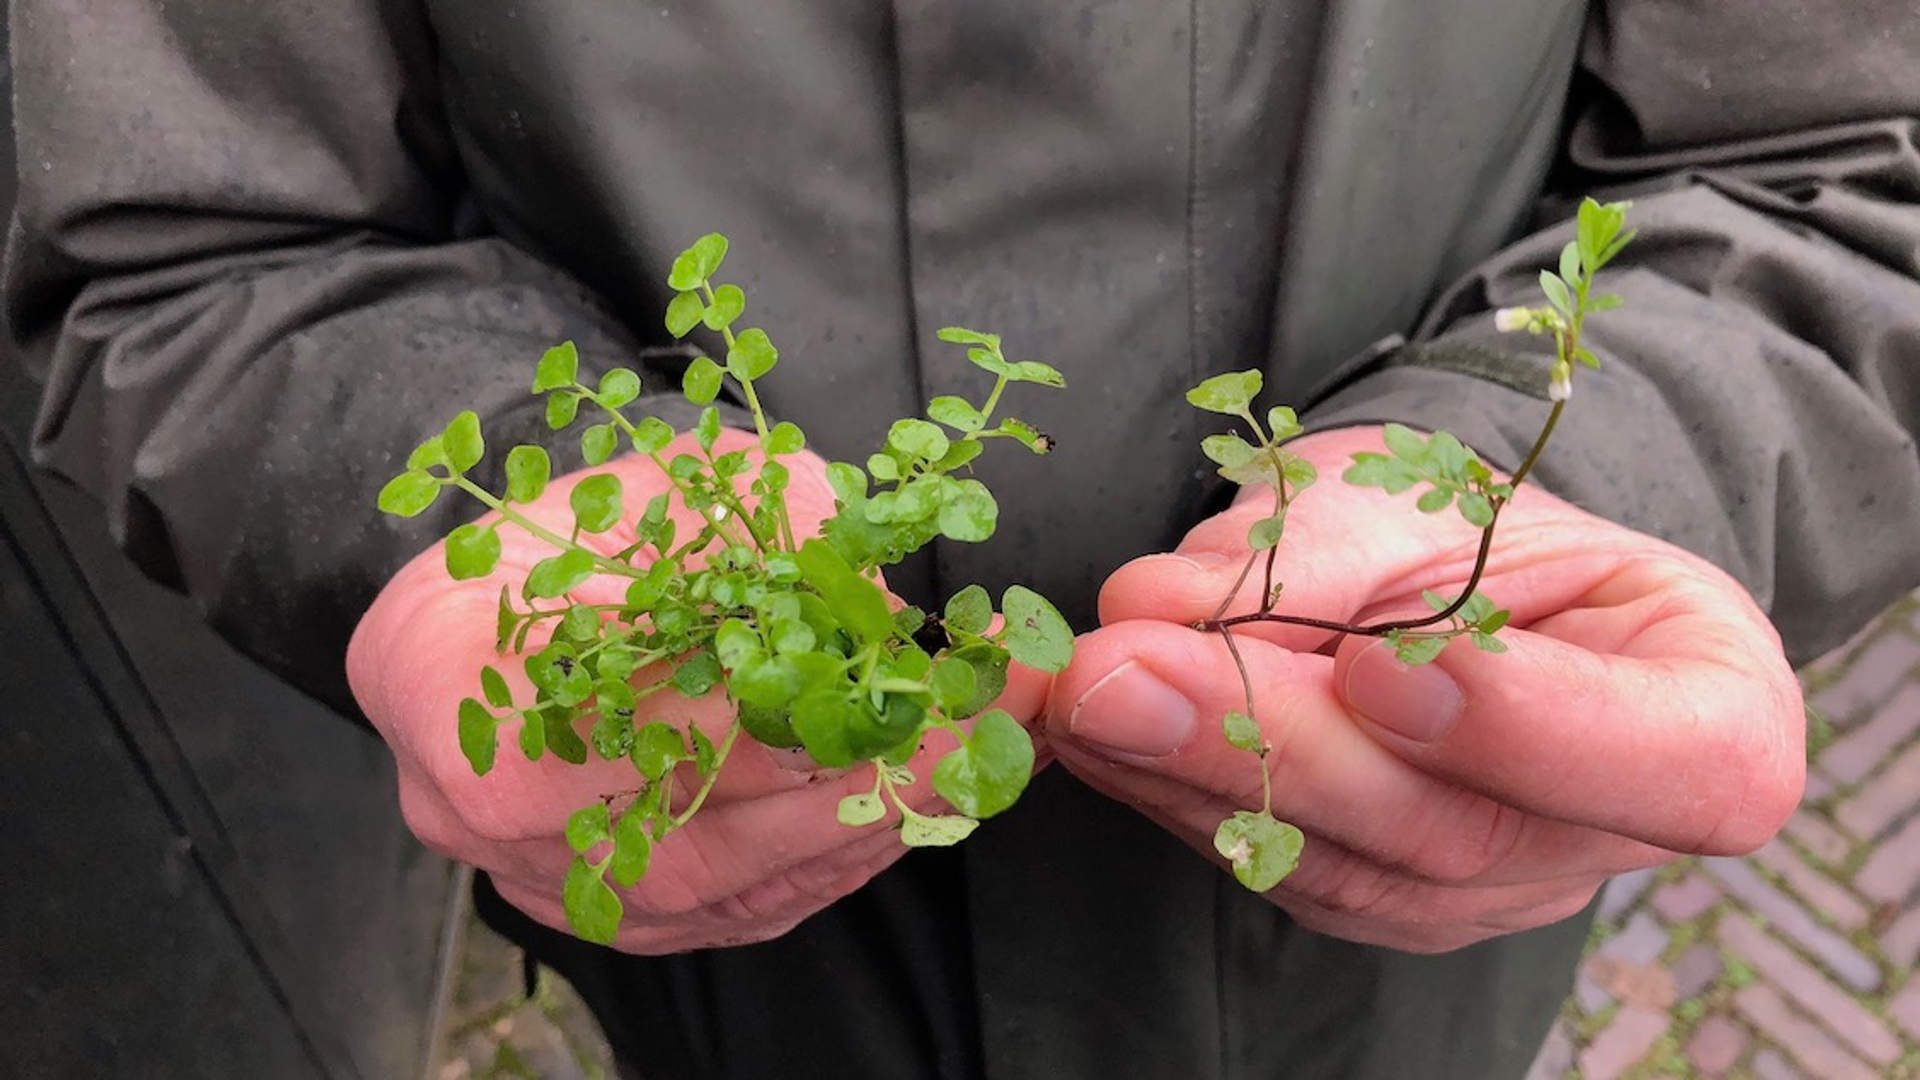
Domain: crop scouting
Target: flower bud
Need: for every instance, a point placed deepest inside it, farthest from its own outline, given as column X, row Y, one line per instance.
column 1510, row 319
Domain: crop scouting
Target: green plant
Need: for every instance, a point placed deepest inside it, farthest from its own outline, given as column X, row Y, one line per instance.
column 794, row 630
column 1262, row 849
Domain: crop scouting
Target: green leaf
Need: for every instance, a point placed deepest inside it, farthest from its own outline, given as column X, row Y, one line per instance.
column 956, row 413
column 1556, row 291
column 1435, row 600
column 1493, row 622
column 752, row 355
column 970, row 610
column 656, row 748
column 705, row 757
column 684, row 312
column 1230, row 393
column 943, row 831
column 1488, row 643
column 559, row 367
column 1261, row 849
column 593, row 909
column 472, row 552
column 769, row 682
column 1477, row 609
column 786, row 438
column 862, row 809
column 1404, row 443
column 1414, row 651
column 697, row 674
column 989, row 664
column 1300, row 473
column 1604, row 302
column 476, row 732
column 632, row 850
column 728, row 304
column 990, row 360
column 856, row 602
column 990, row 769
column 960, row 335
column 770, row 727
column 409, row 493
column 917, row 438
column 970, row 514
column 562, row 739
column 1243, row 733
column 597, row 502
column 1570, row 262
column 706, row 430
column 533, row 736
column 528, row 469
column 1282, row 423
column 428, row 454
column 588, row 827
column 560, row 574
column 652, row 435
column 1434, row 500
column 1266, row 532
column 597, row 443
column 562, row 407
column 493, row 686
column 558, row 673
column 1476, row 509
column 1228, row 451
column 1033, row 371
column 619, row 387
column 698, row 263
column 953, row 683
column 1029, row 436
column 1036, row 634
column 701, row 383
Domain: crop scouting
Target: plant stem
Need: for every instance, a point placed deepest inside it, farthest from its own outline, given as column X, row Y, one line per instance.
column 719, row 759
column 611, row 566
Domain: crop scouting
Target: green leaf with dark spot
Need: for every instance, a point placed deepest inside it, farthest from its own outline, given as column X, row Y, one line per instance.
column 1037, row 635
column 864, row 808
column 528, row 470
column 943, row 831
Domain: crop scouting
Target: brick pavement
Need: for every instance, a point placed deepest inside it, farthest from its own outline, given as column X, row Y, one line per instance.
column 1794, row 964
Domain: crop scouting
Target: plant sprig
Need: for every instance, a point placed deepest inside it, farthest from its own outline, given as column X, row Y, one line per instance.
column 1261, row 849
column 794, row 630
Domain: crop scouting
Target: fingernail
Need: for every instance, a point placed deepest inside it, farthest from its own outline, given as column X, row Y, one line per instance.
column 1419, row 703
column 1204, row 561
column 1130, row 711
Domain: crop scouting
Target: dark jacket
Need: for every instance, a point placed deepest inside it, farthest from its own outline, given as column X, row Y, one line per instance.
column 262, row 249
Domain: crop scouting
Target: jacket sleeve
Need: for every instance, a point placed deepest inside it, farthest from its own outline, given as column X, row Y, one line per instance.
column 236, row 266
column 1760, row 390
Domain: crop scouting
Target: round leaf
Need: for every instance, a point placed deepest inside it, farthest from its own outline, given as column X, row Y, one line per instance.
column 1243, row 733
column 684, row 312
column 652, row 435
column 752, row 355
column 956, row 413
column 656, row 747
column 588, row 827
column 989, row 771
column 593, row 909
column 701, row 383
column 619, row 387
column 596, row 502
column 493, row 686
column 1231, row 393
column 970, row 610
column 1037, row 635
column 970, row 514
column 409, row 493
column 698, row 263
column 632, row 849
column 786, row 438
column 944, row 831
column 728, row 303
column 472, row 552
column 559, row 367
column 918, row 438
column 1261, row 850
column 528, row 469
column 477, row 740
column 597, row 443
column 562, row 407
column 862, row 809
column 560, row 574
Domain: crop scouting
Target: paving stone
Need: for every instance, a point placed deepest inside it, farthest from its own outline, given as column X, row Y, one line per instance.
column 1686, row 899
column 1555, row 1059
column 1845, row 1017
column 1820, row 892
column 1646, row 986
column 1811, row 1047
column 1641, row 941
column 1893, row 869
column 1822, row 840
column 1696, row 970
column 1901, row 942
column 1770, row 1065
column 1623, row 1043
column 1883, row 800
column 1852, row 756
column 1792, row 921
column 1622, row 893
column 1716, row 1044
column 1870, row 679
column 1905, row 1009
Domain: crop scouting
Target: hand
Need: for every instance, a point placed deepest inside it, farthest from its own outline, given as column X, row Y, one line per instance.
column 1644, row 709
column 765, row 851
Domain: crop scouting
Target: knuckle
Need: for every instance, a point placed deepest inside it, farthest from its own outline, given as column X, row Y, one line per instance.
column 1460, row 842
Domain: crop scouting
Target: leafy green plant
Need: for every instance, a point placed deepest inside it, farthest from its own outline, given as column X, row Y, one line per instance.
column 1262, row 849
column 794, row 630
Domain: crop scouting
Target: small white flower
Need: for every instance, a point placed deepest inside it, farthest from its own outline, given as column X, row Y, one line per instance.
column 719, row 513
column 1241, row 853
column 1511, row 319
column 1561, row 388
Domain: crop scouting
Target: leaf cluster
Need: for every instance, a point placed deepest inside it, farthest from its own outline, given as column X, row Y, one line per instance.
column 795, row 631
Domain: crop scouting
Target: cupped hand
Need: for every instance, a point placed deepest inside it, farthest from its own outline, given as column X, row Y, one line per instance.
column 1643, row 709
column 764, row 852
